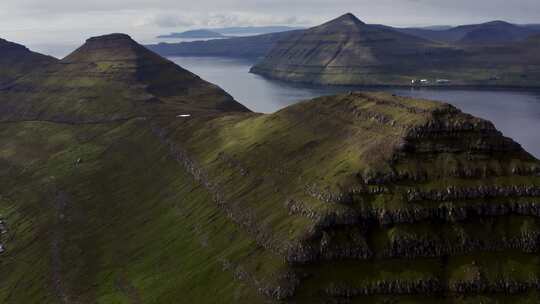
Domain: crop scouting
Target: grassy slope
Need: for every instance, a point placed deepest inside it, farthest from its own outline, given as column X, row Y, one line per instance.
column 128, row 225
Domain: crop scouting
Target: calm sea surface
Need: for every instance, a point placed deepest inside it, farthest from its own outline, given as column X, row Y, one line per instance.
column 515, row 112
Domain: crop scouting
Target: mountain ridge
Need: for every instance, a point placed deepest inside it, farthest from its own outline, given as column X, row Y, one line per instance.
column 457, row 34
column 194, row 34
column 114, row 67
column 346, row 52
column 349, row 52
column 16, row 60
column 238, row 47
column 257, row 46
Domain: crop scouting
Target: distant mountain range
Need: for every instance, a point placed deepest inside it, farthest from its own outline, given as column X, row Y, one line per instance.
column 347, row 51
column 194, row 34
column 254, row 30
column 230, row 31
column 239, row 47
column 495, row 32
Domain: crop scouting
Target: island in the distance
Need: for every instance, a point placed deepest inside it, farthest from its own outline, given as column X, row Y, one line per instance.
column 194, row 34
column 229, row 32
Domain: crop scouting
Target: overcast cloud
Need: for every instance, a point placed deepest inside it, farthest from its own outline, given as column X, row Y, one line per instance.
column 71, row 21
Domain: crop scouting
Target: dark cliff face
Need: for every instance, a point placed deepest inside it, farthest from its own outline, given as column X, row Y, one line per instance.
column 109, row 78
column 16, row 60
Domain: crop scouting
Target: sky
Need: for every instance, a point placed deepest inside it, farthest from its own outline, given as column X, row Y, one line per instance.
column 70, row 22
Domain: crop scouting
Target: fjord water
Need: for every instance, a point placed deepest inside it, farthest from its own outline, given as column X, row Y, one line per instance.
column 515, row 112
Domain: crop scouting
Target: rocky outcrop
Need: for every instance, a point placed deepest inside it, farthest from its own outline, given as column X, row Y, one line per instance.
column 425, row 287
column 284, row 286
column 432, row 287
column 417, row 247
column 480, row 192
column 3, row 235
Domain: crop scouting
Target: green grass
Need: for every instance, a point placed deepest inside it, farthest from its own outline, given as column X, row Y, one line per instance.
column 131, row 224
column 136, row 225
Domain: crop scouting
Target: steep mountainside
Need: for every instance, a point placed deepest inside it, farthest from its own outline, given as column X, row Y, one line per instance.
column 356, row 198
column 16, row 61
column 494, row 32
column 110, row 78
column 240, row 47
column 346, row 51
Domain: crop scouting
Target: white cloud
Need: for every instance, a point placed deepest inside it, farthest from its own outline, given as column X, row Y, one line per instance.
column 170, row 20
column 70, row 21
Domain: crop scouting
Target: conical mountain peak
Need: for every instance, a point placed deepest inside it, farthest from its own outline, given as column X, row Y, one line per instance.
column 347, row 19
column 498, row 23
column 334, row 48
column 108, row 47
column 110, row 37
column 113, row 77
